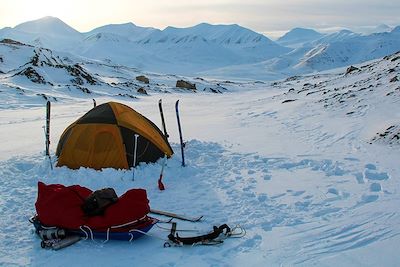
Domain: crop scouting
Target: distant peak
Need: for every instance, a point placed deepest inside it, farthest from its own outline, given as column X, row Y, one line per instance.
column 345, row 31
column 396, row 30
column 49, row 18
column 47, row 25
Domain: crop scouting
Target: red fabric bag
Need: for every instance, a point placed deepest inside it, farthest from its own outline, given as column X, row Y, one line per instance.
column 61, row 206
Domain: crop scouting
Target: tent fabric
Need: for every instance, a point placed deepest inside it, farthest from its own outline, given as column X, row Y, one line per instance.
column 104, row 137
column 60, row 206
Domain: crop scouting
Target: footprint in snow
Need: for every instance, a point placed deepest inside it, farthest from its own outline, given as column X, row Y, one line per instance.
column 368, row 198
column 278, row 196
column 333, row 191
column 267, row 177
column 375, row 175
column 370, row 166
column 262, row 197
column 251, row 172
column 359, row 177
column 298, row 193
column 326, row 211
column 265, row 170
column 375, row 187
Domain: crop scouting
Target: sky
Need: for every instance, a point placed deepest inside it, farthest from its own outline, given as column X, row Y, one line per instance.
column 266, row 16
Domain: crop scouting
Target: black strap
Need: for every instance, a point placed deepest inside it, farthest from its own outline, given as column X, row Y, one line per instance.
column 198, row 239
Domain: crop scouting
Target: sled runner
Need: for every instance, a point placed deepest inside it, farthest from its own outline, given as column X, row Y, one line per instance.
column 124, row 233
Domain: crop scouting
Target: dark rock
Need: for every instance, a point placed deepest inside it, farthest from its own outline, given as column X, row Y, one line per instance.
column 35, row 60
column 141, row 90
column 351, row 69
column 44, row 96
column 84, row 89
column 394, row 79
column 32, row 75
column 212, row 90
column 185, row 84
column 12, row 42
column 395, row 58
column 127, row 95
column 142, row 79
column 78, row 72
column 288, row 100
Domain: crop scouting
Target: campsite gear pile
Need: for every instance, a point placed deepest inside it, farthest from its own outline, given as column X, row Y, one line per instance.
column 111, row 135
column 65, row 214
column 77, row 211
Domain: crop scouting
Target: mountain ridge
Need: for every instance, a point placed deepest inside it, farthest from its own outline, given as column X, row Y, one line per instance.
column 205, row 48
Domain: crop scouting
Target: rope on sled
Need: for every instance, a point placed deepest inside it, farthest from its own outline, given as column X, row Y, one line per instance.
column 89, row 232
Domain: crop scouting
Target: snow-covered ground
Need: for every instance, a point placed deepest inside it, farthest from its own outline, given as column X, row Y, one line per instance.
column 309, row 166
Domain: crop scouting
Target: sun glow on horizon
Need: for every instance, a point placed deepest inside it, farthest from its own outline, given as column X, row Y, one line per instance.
column 259, row 15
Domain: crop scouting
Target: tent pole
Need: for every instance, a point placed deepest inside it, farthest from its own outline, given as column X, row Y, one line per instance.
column 134, row 155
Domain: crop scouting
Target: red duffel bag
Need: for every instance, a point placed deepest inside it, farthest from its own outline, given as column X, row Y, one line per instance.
column 61, row 206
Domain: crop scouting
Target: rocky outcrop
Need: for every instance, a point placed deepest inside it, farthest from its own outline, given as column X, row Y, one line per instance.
column 351, row 69
column 390, row 136
column 142, row 91
column 185, row 85
column 32, row 75
column 80, row 75
column 143, row 79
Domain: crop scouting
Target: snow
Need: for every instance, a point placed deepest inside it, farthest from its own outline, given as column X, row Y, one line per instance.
column 296, row 162
column 297, row 37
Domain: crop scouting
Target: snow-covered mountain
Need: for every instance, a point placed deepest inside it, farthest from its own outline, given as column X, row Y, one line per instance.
column 49, row 32
column 332, row 51
column 128, row 30
column 205, row 49
column 32, row 74
column 347, row 48
column 189, row 50
column 297, row 37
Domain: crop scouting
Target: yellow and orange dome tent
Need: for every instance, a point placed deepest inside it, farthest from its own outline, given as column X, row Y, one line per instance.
column 104, row 138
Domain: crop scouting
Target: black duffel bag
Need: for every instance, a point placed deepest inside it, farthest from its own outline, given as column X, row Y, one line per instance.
column 97, row 202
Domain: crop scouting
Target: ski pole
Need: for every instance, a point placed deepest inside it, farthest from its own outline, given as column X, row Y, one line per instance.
column 48, row 155
column 47, row 132
column 162, row 118
column 134, row 155
column 160, row 183
column 180, row 132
